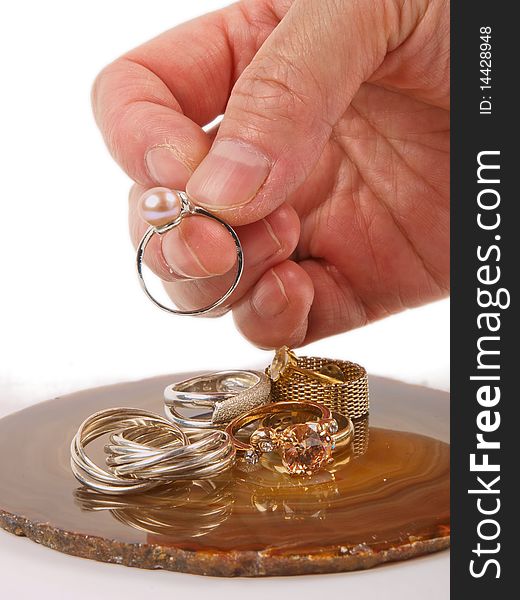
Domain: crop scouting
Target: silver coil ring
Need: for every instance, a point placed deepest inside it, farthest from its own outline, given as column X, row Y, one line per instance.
column 146, row 450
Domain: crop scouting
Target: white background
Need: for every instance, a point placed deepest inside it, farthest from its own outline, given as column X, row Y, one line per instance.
column 71, row 311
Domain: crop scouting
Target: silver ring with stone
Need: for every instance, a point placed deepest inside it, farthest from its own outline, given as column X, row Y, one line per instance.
column 224, row 394
column 164, row 216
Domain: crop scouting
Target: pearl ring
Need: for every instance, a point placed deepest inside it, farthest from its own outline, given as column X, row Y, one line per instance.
column 164, row 209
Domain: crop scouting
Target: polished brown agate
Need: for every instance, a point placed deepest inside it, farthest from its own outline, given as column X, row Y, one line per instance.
column 385, row 499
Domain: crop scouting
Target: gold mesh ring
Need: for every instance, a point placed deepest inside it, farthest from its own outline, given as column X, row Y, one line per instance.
column 349, row 397
column 361, row 436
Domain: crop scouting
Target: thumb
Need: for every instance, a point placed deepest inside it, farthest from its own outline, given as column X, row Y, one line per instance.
column 285, row 103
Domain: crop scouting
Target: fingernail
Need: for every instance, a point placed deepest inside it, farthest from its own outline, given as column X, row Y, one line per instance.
column 165, row 168
column 230, row 175
column 269, row 298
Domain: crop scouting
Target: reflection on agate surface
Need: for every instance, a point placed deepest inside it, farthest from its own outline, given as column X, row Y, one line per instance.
column 190, row 509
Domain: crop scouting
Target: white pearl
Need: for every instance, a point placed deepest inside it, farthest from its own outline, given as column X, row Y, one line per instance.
column 159, row 206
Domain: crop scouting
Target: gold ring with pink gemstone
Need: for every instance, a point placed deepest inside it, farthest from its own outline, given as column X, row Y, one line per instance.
column 304, row 447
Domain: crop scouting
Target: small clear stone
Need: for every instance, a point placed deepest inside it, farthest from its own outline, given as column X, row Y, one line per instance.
column 261, row 441
column 266, row 446
column 251, row 457
column 333, row 426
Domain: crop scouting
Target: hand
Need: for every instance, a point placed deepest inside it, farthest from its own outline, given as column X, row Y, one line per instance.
column 332, row 157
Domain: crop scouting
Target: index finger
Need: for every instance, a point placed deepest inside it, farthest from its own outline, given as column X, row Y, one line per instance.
column 152, row 103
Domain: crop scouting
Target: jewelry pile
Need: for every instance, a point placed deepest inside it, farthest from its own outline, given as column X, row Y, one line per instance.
column 303, row 409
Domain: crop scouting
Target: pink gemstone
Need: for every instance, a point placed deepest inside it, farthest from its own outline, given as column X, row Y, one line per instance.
column 304, row 450
column 159, row 206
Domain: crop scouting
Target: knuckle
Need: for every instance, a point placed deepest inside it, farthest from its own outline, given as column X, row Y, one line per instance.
column 113, row 100
column 106, row 112
column 275, row 89
column 94, row 95
column 98, row 89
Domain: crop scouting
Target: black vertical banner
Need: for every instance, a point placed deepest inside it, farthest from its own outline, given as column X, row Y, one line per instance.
column 485, row 246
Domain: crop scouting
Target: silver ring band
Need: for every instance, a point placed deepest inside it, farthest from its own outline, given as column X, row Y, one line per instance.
column 146, row 450
column 227, row 394
column 187, row 209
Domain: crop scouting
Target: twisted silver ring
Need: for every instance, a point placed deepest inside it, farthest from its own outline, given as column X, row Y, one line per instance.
column 227, row 394
column 146, row 450
column 187, row 209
